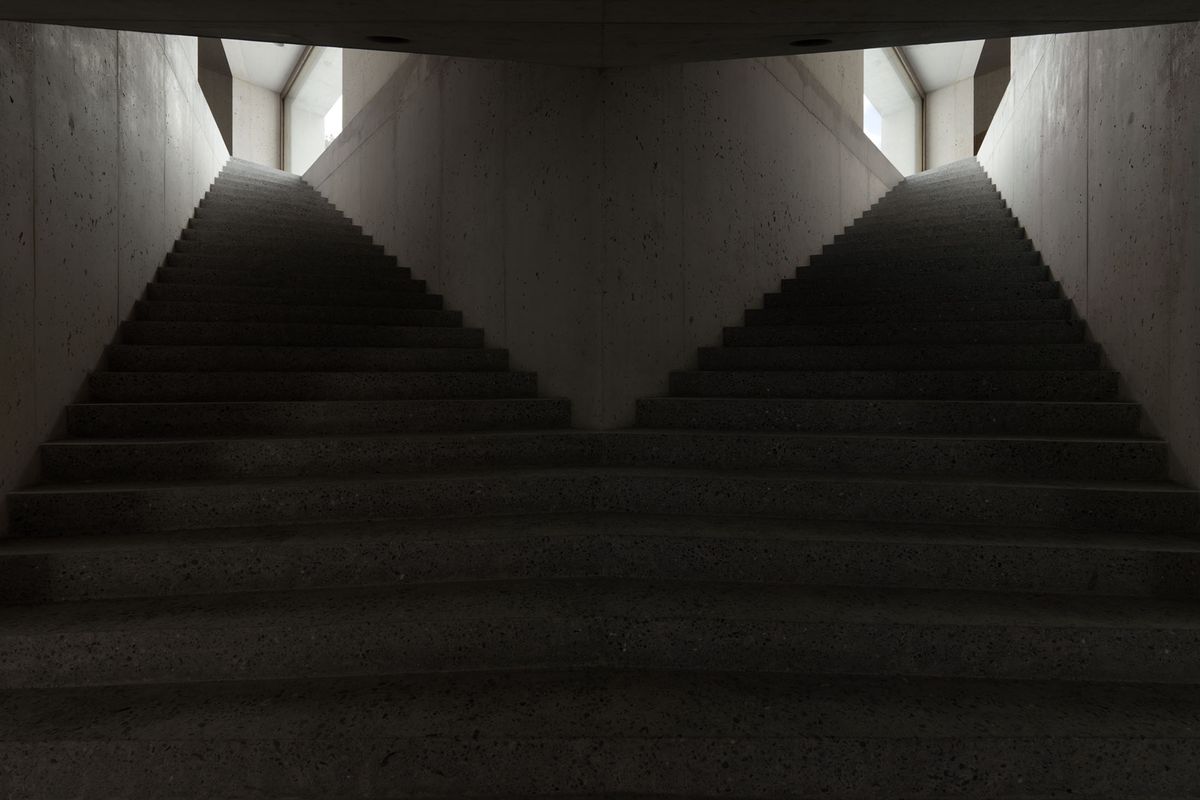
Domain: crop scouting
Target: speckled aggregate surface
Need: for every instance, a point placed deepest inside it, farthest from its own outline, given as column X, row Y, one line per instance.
column 309, row 538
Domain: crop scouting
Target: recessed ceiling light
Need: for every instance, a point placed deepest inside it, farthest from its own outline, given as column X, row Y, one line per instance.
column 811, row 42
column 388, row 39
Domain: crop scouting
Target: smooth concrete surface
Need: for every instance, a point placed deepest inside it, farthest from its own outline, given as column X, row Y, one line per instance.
column 601, row 224
column 256, row 120
column 108, row 144
column 950, row 123
column 1095, row 148
column 606, row 33
column 364, row 73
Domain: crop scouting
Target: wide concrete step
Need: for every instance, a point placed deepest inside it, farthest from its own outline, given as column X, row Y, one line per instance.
column 249, row 192
column 968, row 205
column 52, row 509
column 76, row 460
column 902, row 357
column 902, row 218
column 695, row 734
column 1003, row 231
column 301, row 262
column 917, row 261
column 1082, row 385
column 161, row 311
column 836, row 292
column 934, row 276
column 1019, row 309
column 296, row 334
column 278, row 418
column 313, row 296
column 182, row 358
column 271, row 227
column 383, row 279
column 947, row 332
column 958, row 247
column 194, row 387
column 225, row 211
column 650, row 547
column 606, row 624
column 971, row 417
column 287, row 247
column 261, row 236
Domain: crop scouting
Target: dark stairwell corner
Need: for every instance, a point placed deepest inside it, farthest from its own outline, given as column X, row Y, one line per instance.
column 899, row 536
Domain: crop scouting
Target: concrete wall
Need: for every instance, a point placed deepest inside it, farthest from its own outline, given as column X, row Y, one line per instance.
column 256, row 119
column 842, row 76
column 950, row 123
column 1096, row 146
column 365, row 72
column 108, row 144
column 603, row 224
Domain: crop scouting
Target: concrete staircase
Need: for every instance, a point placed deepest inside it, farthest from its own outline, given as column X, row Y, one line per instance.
column 309, row 538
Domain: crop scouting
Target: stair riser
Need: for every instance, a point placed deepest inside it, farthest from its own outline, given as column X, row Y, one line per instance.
column 975, row 233
column 264, row 197
column 297, row 359
column 389, row 279
column 698, row 766
column 283, row 313
column 939, row 277
column 904, row 219
column 183, row 293
column 816, row 416
column 298, row 217
column 1032, row 459
column 933, row 210
column 919, row 262
column 281, row 237
column 412, row 557
column 278, row 248
column 1032, row 332
column 947, row 246
column 796, row 296
column 207, row 226
column 996, row 310
column 321, row 418
column 152, row 387
column 1011, row 385
column 1029, row 357
column 190, row 507
column 299, row 648
column 330, row 265
column 298, row 334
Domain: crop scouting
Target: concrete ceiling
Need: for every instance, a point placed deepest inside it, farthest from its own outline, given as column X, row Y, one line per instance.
column 265, row 64
column 604, row 32
column 940, row 65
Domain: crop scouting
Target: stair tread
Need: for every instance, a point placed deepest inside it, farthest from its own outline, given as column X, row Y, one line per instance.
column 557, row 601
column 740, row 528
column 1161, row 486
column 621, row 704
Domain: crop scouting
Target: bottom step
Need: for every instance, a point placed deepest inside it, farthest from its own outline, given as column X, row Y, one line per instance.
column 590, row 734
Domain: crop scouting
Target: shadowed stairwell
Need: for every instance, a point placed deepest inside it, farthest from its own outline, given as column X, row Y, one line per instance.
column 898, row 537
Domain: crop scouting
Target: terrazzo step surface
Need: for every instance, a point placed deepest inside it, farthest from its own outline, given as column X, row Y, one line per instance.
column 1080, row 355
column 568, row 546
column 936, row 417
column 53, row 509
column 200, row 358
column 307, row 536
column 1031, row 457
column 605, row 733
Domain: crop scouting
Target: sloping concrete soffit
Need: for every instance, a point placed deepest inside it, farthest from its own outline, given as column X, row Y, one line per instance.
column 604, row 32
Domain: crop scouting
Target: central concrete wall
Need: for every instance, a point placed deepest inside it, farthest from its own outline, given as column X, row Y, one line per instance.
column 107, row 145
column 603, row 224
column 1096, row 146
